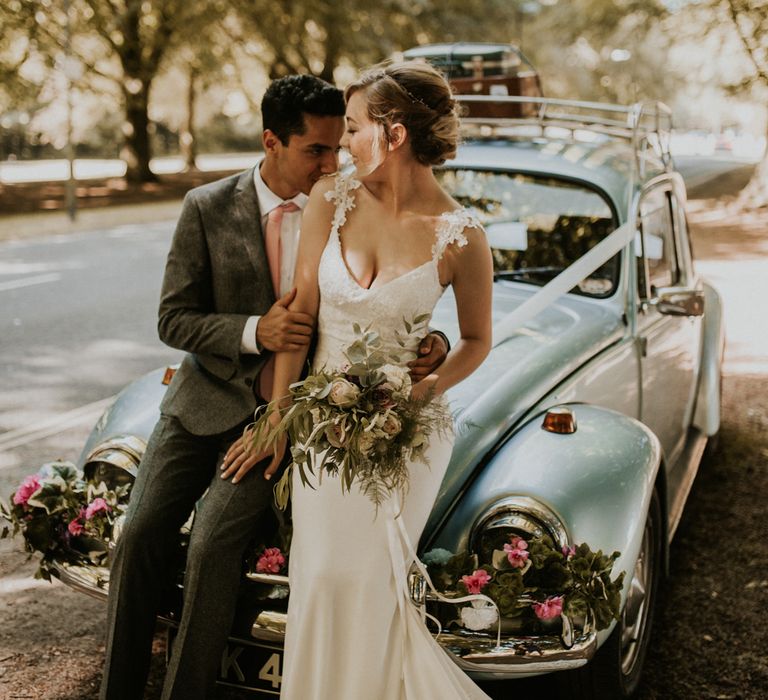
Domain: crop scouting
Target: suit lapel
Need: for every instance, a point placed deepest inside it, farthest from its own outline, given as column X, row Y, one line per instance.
column 248, row 220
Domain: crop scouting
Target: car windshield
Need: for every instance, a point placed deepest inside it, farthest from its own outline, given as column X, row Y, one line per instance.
column 537, row 226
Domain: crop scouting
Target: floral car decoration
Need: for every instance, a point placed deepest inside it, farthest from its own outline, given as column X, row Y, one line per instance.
column 534, row 581
column 63, row 517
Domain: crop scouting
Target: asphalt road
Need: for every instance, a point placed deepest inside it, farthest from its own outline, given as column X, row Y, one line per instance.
column 77, row 320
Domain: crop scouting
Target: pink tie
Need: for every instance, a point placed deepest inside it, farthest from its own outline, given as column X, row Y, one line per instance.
column 273, row 249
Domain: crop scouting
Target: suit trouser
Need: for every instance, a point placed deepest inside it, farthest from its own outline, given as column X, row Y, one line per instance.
column 175, row 471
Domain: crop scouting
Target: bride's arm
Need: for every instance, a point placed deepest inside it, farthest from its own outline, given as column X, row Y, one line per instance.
column 315, row 228
column 472, row 282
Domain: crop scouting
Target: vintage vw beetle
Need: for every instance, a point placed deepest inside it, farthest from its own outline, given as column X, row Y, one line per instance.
column 587, row 421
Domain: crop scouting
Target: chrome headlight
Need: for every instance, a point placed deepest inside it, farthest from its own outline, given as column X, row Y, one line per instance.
column 517, row 515
column 116, row 461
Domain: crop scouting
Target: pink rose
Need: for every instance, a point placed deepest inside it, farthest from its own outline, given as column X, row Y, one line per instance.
column 25, row 491
column 75, row 527
column 552, row 607
column 97, row 505
column 516, row 552
column 569, row 552
column 477, row 581
column 271, row 561
column 336, row 434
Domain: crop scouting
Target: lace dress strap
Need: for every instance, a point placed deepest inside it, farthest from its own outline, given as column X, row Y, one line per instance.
column 451, row 230
column 342, row 195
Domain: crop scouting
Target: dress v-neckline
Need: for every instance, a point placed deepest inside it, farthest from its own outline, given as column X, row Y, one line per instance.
column 442, row 219
column 371, row 287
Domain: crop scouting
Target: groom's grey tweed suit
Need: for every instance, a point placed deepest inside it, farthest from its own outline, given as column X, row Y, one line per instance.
column 217, row 275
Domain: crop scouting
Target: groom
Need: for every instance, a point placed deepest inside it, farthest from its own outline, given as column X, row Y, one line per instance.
column 225, row 301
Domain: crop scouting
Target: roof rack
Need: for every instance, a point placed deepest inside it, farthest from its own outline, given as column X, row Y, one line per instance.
column 644, row 124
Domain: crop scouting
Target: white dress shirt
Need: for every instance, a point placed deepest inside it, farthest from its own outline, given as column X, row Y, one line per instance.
column 289, row 245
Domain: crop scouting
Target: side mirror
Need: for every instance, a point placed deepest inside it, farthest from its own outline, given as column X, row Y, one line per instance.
column 680, row 302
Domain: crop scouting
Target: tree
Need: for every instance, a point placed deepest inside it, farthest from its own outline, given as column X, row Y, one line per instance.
column 317, row 36
column 123, row 43
column 750, row 20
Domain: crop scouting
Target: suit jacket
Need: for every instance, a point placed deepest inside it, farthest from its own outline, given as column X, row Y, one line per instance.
column 216, row 276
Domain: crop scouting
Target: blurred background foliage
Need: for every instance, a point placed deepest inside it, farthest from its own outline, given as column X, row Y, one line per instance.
column 156, row 77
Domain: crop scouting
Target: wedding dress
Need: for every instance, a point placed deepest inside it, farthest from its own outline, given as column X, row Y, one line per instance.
column 353, row 633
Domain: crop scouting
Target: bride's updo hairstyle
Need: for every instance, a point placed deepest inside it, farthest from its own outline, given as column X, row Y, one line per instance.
column 417, row 96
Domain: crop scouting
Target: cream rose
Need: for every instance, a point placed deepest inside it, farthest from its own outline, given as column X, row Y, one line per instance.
column 343, row 393
column 398, row 379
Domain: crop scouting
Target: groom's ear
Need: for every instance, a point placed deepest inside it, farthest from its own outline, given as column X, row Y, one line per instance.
column 397, row 135
column 270, row 140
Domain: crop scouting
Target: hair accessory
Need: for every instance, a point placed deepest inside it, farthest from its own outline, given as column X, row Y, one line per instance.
column 412, row 97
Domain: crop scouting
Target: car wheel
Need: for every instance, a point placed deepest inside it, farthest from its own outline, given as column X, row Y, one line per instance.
column 614, row 672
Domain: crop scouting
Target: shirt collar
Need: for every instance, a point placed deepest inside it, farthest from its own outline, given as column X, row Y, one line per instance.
column 267, row 199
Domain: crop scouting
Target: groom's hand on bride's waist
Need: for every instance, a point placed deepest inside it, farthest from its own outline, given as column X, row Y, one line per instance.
column 281, row 329
column 432, row 353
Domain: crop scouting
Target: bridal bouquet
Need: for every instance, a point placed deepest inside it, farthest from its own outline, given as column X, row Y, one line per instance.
column 358, row 422
column 63, row 517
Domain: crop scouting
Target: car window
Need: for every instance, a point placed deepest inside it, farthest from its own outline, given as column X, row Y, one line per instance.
column 658, row 240
column 537, row 226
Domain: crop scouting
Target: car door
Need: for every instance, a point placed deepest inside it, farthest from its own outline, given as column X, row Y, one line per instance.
column 670, row 344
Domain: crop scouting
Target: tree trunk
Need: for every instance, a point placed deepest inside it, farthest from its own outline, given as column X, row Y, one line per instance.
column 755, row 194
column 137, row 151
column 187, row 140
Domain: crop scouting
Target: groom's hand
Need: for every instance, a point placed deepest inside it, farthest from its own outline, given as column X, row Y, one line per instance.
column 432, row 353
column 281, row 330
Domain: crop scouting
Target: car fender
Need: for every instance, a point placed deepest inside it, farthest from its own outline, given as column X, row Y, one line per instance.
column 706, row 415
column 598, row 481
column 134, row 412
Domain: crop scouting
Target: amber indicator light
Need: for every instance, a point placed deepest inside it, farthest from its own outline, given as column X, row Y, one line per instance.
column 169, row 372
column 559, row 420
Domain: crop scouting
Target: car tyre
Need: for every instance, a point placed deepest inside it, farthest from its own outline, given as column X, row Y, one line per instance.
column 614, row 672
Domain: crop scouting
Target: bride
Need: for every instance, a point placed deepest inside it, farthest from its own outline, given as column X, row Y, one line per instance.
column 377, row 247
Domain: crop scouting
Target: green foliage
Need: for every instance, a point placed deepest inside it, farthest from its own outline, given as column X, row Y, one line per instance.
column 54, row 519
column 358, row 423
column 582, row 577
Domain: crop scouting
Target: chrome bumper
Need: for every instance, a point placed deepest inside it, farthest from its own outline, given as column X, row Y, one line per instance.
column 475, row 653
column 92, row 580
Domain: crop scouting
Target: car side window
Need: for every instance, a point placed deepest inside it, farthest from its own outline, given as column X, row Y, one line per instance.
column 658, row 236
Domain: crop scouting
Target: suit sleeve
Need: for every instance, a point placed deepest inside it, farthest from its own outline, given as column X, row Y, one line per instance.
column 187, row 319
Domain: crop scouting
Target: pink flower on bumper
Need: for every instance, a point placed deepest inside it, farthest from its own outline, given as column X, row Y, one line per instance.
column 516, row 552
column 552, row 607
column 97, row 505
column 27, row 488
column 477, row 581
column 75, row 527
column 271, row 561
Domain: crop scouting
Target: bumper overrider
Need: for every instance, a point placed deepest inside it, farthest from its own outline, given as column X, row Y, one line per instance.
column 474, row 652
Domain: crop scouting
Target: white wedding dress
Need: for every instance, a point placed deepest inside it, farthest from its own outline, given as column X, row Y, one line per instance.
column 353, row 633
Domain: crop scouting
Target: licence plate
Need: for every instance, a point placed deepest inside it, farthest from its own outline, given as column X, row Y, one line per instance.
column 249, row 666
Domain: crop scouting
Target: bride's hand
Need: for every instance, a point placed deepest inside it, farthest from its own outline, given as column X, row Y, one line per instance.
column 242, row 456
column 425, row 387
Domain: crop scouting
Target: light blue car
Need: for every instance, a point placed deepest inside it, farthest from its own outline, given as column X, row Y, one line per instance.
column 587, row 422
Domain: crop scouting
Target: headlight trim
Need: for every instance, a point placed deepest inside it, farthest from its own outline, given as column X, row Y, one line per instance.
column 501, row 513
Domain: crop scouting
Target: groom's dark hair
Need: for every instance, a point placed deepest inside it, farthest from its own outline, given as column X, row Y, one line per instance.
column 288, row 99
